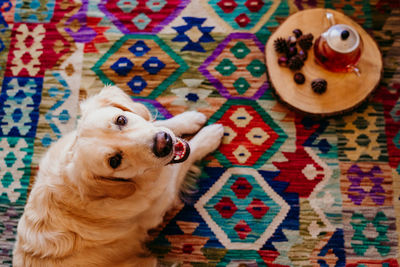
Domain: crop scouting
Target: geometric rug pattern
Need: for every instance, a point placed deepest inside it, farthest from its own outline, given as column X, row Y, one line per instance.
column 282, row 189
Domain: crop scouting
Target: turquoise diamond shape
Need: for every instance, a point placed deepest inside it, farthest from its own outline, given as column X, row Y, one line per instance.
column 141, row 21
column 64, row 116
column 241, row 85
column 256, row 68
column 240, row 50
column 229, row 11
column 127, row 5
column 46, row 140
column 156, row 5
column 10, row 159
column 7, row 180
column 226, row 67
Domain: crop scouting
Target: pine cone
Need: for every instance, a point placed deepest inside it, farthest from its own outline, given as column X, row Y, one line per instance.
column 295, row 63
column 303, row 54
column 297, row 33
column 306, row 41
column 281, row 45
column 291, row 52
column 319, row 86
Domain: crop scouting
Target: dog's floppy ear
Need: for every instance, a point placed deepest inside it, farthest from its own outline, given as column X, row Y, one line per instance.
column 114, row 96
column 97, row 187
column 103, row 188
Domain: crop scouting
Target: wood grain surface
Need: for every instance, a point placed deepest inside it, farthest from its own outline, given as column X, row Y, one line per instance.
column 345, row 90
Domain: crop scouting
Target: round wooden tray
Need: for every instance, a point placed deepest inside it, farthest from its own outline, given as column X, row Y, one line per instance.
column 345, row 90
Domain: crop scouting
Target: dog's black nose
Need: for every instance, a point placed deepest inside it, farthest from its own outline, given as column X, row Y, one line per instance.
column 162, row 144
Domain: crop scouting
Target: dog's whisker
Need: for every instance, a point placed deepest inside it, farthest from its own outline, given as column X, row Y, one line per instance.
column 155, row 116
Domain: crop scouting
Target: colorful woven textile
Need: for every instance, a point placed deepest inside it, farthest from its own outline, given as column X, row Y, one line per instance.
column 282, row 190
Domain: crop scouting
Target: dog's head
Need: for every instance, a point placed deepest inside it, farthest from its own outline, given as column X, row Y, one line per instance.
column 117, row 143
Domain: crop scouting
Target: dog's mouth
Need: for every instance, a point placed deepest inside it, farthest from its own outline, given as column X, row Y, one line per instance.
column 115, row 179
column 181, row 151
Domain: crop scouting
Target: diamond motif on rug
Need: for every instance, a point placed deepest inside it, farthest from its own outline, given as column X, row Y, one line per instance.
column 156, row 5
column 308, row 169
column 122, row 66
column 141, row 21
column 127, row 5
column 19, row 106
column 16, row 155
column 241, row 14
column 369, row 233
column 191, row 96
column 360, row 140
column 188, row 246
column 242, row 209
column 193, row 33
column 251, row 137
column 36, row 11
column 142, row 16
column 26, row 54
column 234, row 69
column 147, row 55
column 366, row 184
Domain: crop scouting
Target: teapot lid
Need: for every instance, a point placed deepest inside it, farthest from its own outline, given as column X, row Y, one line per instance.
column 342, row 38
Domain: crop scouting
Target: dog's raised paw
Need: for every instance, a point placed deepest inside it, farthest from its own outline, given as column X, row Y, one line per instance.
column 208, row 139
column 188, row 122
column 215, row 131
column 195, row 120
column 198, row 117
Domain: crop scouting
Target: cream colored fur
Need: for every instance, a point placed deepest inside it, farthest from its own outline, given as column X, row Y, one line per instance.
column 79, row 214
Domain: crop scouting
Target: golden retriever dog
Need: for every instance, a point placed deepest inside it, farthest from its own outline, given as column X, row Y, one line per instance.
column 100, row 188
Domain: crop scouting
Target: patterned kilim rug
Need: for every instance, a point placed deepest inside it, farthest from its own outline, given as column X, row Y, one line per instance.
column 282, row 190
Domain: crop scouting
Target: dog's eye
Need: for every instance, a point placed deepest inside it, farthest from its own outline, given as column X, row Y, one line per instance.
column 121, row 120
column 115, row 161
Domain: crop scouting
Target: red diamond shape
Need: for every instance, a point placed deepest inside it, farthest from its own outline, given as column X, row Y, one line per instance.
column 227, row 5
column 257, row 208
column 29, row 41
column 226, row 207
column 242, row 20
column 241, row 188
column 26, row 58
column 187, row 249
column 254, row 5
column 242, row 229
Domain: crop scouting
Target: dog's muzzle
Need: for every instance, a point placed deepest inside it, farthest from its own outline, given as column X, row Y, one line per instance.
column 164, row 146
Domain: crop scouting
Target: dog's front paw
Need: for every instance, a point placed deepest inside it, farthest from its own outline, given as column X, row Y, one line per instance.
column 187, row 122
column 207, row 140
column 192, row 120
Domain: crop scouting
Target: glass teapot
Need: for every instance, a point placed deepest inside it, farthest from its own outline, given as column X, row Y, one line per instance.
column 339, row 48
